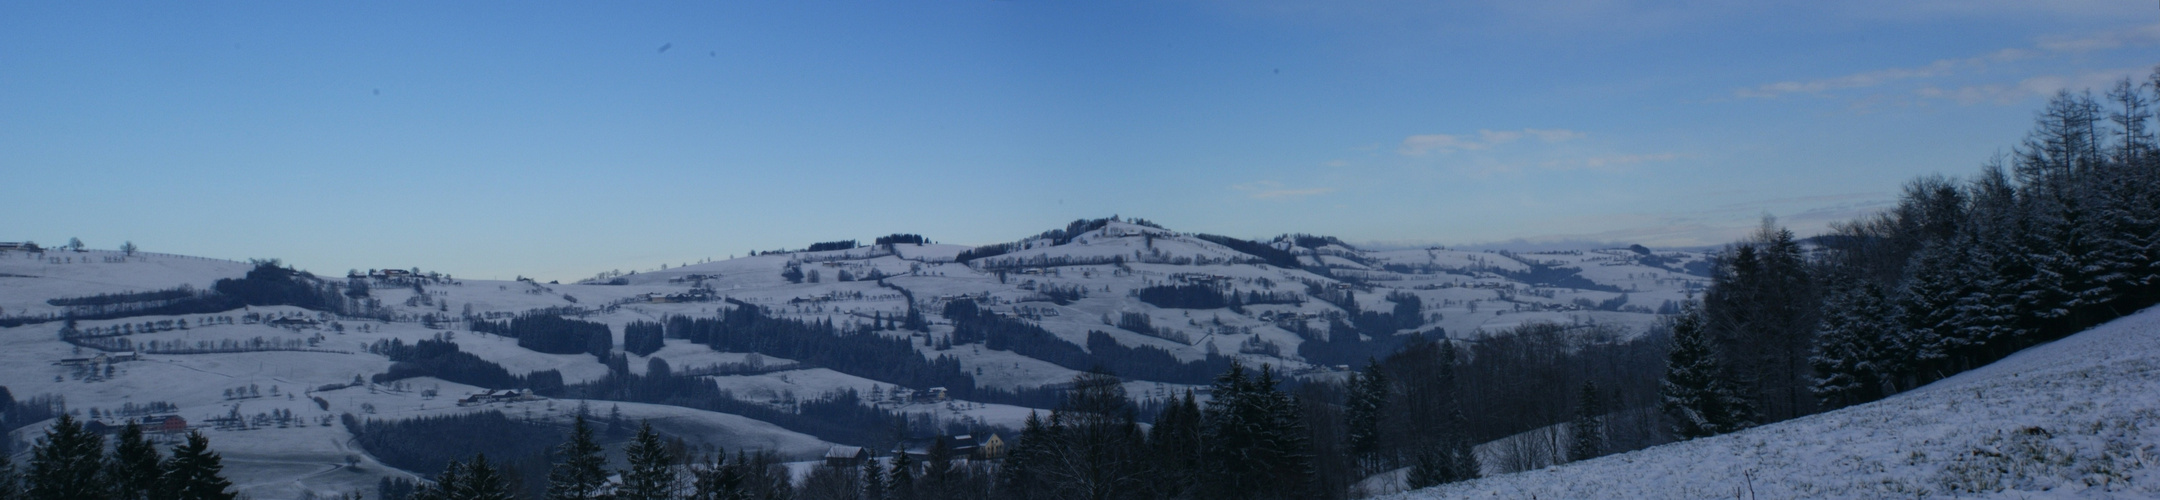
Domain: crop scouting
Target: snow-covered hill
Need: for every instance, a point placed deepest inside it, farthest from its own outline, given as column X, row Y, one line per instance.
column 2076, row 418
column 1070, row 283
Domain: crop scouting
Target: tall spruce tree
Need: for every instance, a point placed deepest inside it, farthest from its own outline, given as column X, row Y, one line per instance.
column 66, row 464
column 651, row 475
column 10, row 480
column 134, row 469
column 196, row 473
column 1859, row 346
column 1254, row 440
column 1368, row 399
column 1988, row 313
column 719, row 480
column 1698, row 399
column 1760, row 314
column 482, row 482
column 901, row 486
column 1588, row 429
column 583, row 470
column 447, row 484
column 1175, row 441
column 1096, row 441
column 873, row 482
column 1461, row 450
column 1017, row 476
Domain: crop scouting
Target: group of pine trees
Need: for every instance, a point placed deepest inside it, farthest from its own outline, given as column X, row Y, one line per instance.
column 1248, row 443
column 656, row 471
column 2059, row 236
column 70, row 463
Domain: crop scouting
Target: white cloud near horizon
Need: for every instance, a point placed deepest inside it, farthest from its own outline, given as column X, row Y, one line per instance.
column 1419, row 145
column 2045, row 47
column 2041, row 86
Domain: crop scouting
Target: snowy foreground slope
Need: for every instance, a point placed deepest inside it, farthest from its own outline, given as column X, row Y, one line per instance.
column 2077, row 418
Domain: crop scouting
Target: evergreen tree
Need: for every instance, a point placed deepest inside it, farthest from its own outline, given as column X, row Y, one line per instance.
column 1858, row 346
column 66, row 464
column 1017, row 477
column 447, row 484
column 1588, row 429
column 1368, row 399
column 718, row 480
column 937, row 478
column 481, row 482
column 1987, row 314
column 1926, row 332
column 1175, row 441
column 582, row 471
column 902, row 485
column 1428, row 468
column 10, row 481
column 1697, row 397
column 651, row 475
column 1760, row 314
column 1254, row 440
column 873, row 478
column 134, row 470
column 1462, row 452
column 1095, row 441
column 195, row 473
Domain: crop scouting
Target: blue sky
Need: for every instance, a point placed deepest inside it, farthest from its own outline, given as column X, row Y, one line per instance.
column 492, row 139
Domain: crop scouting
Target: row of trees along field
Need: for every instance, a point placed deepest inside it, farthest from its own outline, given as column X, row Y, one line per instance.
column 2058, row 236
column 71, row 463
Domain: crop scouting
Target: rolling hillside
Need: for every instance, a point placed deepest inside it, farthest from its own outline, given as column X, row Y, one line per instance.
column 1103, row 291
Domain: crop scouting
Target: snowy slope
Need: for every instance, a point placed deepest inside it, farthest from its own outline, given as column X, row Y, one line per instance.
column 2077, row 418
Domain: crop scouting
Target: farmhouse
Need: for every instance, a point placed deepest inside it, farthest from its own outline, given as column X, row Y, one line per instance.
column 498, row 396
column 846, row 456
column 294, row 322
column 101, row 358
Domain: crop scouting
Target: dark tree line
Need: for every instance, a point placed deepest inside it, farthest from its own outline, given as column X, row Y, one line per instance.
column 832, row 245
column 71, row 463
column 840, row 416
column 269, row 283
column 643, row 337
column 902, row 239
column 442, row 359
column 867, row 354
column 2059, row 236
column 972, row 324
column 433, row 443
column 1250, row 442
column 1183, row 296
column 1347, row 344
column 553, row 334
column 1265, row 251
column 1055, row 237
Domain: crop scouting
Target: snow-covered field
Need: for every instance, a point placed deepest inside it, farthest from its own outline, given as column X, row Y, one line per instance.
column 2077, row 418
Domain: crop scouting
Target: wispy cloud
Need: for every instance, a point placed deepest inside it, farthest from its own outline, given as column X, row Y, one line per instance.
column 1272, row 190
column 2106, row 40
column 2043, row 85
column 1419, row 145
column 1609, row 161
column 1880, row 77
column 2045, row 47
